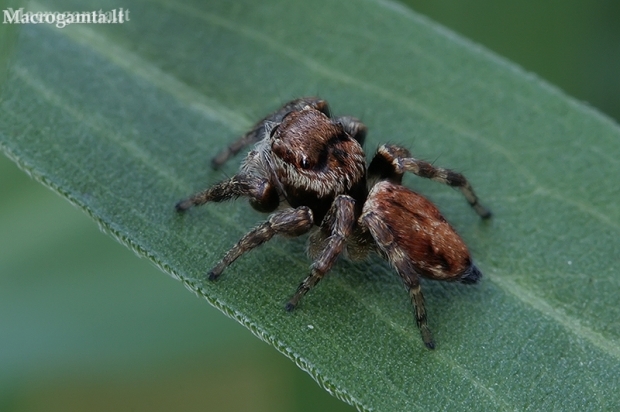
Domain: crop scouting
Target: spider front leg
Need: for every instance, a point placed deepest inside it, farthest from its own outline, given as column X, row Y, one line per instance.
column 339, row 223
column 257, row 132
column 263, row 196
column 289, row 222
column 391, row 162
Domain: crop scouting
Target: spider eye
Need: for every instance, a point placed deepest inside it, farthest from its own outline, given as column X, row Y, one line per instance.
column 304, row 163
column 273, row 130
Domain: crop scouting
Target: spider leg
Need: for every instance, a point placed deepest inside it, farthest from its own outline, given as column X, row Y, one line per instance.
column 339, row 221
column 354, row 127
column 398, row 258
column 391, row 162
column 258, row 131
column 289, row 222
column 263, row 196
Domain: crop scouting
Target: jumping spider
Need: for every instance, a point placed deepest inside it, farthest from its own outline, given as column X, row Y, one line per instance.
column 309, row 169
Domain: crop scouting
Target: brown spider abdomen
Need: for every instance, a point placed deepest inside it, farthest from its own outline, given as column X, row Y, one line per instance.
column 421, row 234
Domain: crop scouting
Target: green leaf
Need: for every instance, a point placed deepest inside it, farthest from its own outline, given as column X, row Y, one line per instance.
column 86, row 323
column 123, row 119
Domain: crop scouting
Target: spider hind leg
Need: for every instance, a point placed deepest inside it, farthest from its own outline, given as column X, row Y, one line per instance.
column 391, row 162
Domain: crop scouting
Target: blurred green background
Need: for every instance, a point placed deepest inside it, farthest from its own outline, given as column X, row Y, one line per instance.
column 573, row 44
column 79, row 331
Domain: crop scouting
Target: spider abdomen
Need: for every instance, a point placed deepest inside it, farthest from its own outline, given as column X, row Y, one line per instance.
column 420, row 234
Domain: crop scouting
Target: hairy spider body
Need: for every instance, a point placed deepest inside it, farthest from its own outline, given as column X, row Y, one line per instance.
column 313, row 159
column 309, row 170
column 409, row 227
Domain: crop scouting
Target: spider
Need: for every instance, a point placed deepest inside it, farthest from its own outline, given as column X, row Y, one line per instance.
column 308, row 170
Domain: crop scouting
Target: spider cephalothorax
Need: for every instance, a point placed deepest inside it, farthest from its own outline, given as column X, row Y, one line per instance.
column 311, row 167
column 312, row 159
